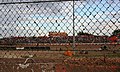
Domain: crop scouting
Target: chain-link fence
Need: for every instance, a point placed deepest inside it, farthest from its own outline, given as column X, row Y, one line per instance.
column 36, row 23
column 48, row 28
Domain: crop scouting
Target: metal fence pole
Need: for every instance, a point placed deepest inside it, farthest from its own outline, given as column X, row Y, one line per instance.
column 73, row 28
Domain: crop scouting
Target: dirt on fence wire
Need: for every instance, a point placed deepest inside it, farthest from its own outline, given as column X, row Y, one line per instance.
column 69, row 64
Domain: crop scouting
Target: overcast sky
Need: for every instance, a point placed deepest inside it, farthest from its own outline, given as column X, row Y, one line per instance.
column 35, row 19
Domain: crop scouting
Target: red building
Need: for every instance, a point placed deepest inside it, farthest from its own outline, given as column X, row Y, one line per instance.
column 58, row 34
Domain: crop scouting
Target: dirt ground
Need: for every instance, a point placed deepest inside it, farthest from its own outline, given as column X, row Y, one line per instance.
column 56, row 61
column 70, row 64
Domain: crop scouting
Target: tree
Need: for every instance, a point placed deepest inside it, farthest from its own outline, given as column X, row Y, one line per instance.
column 116, row 32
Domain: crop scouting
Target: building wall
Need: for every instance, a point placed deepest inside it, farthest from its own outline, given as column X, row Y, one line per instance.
column 57, row 34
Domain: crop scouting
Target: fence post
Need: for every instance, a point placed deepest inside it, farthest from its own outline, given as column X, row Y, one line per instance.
column 73, row 30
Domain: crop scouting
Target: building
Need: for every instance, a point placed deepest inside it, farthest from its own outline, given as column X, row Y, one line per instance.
column 57, row 34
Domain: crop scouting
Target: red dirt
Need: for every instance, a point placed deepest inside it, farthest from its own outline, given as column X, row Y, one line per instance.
column 60, row 65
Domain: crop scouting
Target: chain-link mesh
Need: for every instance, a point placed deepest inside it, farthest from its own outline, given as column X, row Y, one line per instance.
column 47, row 28
column 58, row 22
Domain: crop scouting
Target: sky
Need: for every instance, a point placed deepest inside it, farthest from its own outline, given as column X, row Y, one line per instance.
column 98, row 17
